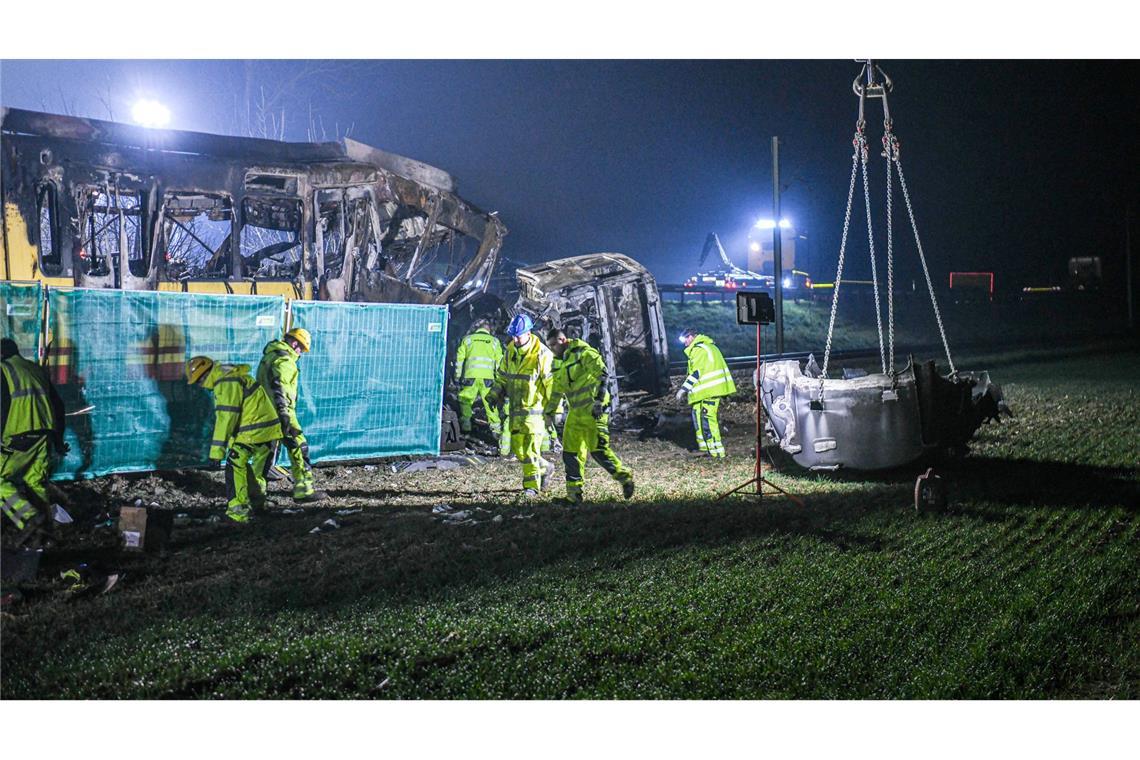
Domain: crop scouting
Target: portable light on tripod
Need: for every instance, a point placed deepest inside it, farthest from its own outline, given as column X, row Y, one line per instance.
column 756, row 308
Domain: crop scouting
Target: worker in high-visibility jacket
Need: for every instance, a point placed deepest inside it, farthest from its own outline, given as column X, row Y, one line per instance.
column 580, row 376
column 709, row 381
column 476, row 360
column 524, row 381
column 278, row 375
column 32, row 414
column 246, row 430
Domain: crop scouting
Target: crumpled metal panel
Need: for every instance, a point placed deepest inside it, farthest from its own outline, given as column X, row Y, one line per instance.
column 872, row 422
column 868, row 423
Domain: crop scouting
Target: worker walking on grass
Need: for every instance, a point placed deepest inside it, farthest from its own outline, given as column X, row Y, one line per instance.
column 246, row 431
column 32, row 414
column 278, row 375
column 709, row 380
column 476, row 359
column 580, row 375
column 524, row 381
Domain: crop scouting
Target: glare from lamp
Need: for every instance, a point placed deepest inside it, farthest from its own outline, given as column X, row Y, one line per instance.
column 150, row 113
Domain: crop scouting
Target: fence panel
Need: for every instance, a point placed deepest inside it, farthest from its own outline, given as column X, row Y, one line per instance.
column 120, row 356
column 21, row 312
column 372, row 385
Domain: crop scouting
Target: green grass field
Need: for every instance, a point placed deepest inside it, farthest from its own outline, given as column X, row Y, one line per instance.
column 1025, row 587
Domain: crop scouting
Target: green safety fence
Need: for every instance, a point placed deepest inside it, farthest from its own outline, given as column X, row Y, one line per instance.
column 372, row 384
column 21, row 306
column 117, row 358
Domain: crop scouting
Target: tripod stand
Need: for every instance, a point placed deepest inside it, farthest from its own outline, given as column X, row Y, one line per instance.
column 758, row 479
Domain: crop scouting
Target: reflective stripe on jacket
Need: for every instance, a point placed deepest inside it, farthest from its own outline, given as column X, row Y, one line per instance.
column 524, row 377
column 579, row 376
column 29, row 394
column 242, row 411
column 278, row 375
column 477, row 356
column 709, row 376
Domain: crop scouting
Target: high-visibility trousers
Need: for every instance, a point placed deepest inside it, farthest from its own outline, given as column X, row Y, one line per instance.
column 707, row 427
column 475, row 390
column 25, row 467
column 245, row 478
column 584, row 435
column 527, row 431
column 300, row 466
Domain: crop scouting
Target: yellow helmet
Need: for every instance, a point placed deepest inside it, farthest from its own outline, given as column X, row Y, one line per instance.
column 301, row 335
column 197, row 368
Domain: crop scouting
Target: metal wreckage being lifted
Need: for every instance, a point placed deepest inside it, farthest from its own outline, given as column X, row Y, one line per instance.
column 887, row 419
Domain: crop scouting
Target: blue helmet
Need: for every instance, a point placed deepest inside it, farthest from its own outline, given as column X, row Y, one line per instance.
column 520, row 324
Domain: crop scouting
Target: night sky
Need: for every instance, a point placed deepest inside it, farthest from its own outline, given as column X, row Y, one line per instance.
column 1013, row 166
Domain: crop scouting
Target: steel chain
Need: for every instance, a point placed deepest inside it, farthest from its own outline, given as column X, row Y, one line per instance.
column 925, row 269
column 890, row 146
column 874, row 270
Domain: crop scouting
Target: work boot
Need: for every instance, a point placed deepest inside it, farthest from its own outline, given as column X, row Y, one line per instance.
column 529, row 493
column 573, row 496
column 314, row 496
column 627, row 489
column 239, row 514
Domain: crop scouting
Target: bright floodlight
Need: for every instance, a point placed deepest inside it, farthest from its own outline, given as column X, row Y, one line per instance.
column 150, row 113
column 755, row 247
column 767, row 224
column 787, row 282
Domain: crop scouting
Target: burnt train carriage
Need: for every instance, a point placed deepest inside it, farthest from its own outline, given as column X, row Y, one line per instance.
column 98, row 204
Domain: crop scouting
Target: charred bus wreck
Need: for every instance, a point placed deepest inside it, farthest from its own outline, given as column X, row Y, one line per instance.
column 99, row 204
column 611, row 302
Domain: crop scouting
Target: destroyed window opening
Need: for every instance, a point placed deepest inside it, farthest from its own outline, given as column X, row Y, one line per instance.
column 48, row 240
column 103, row 248
column 266, row 246
column 178, row 253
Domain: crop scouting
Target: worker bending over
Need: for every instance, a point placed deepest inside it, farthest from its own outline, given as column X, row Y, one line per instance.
column 278, row 375
column 246, row 430
column 708, row 381
column 32, row 414
column 476, row 360
column 580, row 376
column 524, row 381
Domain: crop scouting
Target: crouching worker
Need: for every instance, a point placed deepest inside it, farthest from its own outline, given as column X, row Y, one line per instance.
column 246, row 431
column 524, row 380
column 32, row 415
column 709, row 381
column 278, row 375
column 580, row 376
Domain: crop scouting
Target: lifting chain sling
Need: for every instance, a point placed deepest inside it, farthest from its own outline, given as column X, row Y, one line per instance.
column 859, row 158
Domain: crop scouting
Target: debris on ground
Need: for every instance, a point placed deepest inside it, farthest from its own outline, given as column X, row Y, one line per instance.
column 328, row 525
column 447, row 462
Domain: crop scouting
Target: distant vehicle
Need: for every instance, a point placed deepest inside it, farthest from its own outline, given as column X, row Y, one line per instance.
column 1085, row 273
column 728, row 276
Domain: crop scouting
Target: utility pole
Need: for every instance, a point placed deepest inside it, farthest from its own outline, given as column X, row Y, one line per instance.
column 777, row 247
